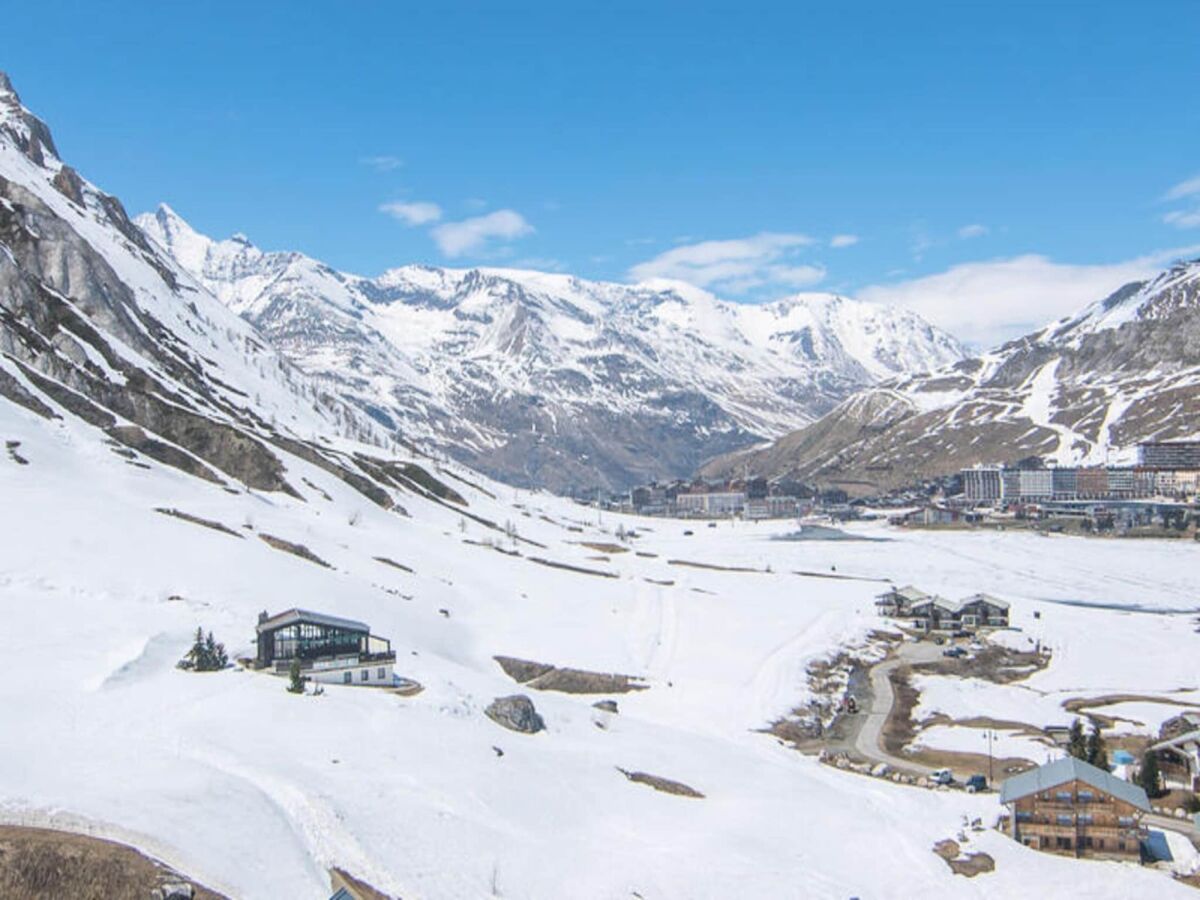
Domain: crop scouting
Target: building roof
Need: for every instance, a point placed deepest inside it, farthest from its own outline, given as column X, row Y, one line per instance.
column 292, row 616
column 1188, row 737
column 908, row 592
column 1068, row 769
column 984, row 598
column 934, row 600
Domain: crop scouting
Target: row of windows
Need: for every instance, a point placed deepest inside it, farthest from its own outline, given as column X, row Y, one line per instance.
column 365, row 675
column 1068, row 819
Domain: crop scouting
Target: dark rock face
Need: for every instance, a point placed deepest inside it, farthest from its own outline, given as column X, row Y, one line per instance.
column 516, row 713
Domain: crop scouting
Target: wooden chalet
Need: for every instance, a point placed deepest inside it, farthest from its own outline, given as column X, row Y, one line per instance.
column 898, row 601
column 1076, row 809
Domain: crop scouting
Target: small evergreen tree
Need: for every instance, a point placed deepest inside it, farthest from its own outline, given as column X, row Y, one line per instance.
column 1149, row 777
column 295, row 680
column 1097, row 753
column 1076, row 742
column 196, row 654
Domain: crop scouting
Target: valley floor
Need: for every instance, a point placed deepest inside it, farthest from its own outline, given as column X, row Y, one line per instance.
column 258, row 792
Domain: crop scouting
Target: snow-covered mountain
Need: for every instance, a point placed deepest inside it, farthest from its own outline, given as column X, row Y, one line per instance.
column 1084, row 389
column 162, row 468
column 549, row 380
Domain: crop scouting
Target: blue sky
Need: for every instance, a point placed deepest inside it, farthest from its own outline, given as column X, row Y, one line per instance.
column 990, row 165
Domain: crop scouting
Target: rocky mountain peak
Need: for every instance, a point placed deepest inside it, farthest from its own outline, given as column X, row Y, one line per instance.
column 26, row 131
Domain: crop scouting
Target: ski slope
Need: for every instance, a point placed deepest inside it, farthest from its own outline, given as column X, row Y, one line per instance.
column 256, row 792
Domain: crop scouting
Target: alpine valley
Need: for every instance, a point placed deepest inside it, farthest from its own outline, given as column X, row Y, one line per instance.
column 546, row 380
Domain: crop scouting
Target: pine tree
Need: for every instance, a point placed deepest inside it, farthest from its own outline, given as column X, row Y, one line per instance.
column 1076, row 742
column 296, row 682
column 196, row 654
column 1097, row 753
column 1149, row 777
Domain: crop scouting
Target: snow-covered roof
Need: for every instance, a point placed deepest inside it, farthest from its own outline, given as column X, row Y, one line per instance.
column 1188, row 737
column 292, row 616
column 984, row 598
column 909, row 592
column 934, row 600
column 1068, row 769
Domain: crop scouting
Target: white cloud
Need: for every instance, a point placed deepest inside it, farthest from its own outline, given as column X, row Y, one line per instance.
column 415, row 213
column 383, row 163
column 735, row 265
column 472, row 235
column 843, row 240
column 1186, row 190
column 972, row 231
column 1189, row 188
column 992, row 301
column 1182, row 218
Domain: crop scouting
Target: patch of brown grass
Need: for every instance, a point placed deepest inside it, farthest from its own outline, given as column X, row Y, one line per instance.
column 37, row 863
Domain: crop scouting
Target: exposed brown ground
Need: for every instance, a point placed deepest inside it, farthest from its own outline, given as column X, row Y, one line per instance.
column 299, row 550
column 601, row 547
column 41, row 863
column 666, row 785
column 339, row 878
column 969, row 864
column 546, row 677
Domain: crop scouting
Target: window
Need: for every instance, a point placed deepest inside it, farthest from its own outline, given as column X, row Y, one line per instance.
column 366, row 675
column 1085, row 820
column 347, row 677
column 1086, row 797
column 382, row 673
column 1024, row 817
column 1063, row 818
column 1063, row 796
column 1125, row 821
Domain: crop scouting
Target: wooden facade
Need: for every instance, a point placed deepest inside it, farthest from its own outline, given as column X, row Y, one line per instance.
column 1075, row 809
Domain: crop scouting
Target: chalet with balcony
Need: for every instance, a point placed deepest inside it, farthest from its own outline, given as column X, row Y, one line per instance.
column 898, row 601
column 1179, row 755
column 1076, row 809
column 935, row 614
column 329, row 649
column 983, row 610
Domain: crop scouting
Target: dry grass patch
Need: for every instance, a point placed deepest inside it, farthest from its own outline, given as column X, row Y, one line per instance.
column 196, row 520
column 666, row 785
column 967, row 864
column 299, row 550
column 39, row 863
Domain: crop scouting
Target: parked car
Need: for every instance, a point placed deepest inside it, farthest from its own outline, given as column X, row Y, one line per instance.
column 941, row 776
column 976, row 646
column 687, row 534
column 976, row 784
column 712, row 524
column 954, row 652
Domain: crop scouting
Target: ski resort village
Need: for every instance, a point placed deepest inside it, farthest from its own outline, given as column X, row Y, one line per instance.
column 497, row 582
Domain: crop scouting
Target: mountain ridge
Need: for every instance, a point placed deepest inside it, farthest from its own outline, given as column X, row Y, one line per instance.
column 545, row 379
column 1082, row 390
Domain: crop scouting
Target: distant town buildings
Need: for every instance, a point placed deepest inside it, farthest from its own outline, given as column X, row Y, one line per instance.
column 752, row 498
column 1170, row 469
column 1074, row 808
